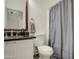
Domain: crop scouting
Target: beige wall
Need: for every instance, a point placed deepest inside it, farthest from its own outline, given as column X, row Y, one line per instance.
column 39, row 10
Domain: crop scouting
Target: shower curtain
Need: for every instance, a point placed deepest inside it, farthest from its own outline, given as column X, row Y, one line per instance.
column 61, row 29
column 55, row 30
column 67, row 30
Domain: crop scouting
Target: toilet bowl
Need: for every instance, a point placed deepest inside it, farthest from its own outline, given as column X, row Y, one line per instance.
column 44, row 51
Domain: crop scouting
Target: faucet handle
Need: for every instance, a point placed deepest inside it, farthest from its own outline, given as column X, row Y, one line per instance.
column 11, row 32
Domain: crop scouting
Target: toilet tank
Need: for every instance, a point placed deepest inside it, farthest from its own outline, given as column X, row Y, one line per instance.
column 40, row 40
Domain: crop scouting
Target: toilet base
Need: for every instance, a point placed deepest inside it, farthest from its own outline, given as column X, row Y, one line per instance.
column 44, row 57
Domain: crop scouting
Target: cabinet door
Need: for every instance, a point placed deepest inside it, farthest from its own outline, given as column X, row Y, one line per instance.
column 24, row 49
column 9, row 50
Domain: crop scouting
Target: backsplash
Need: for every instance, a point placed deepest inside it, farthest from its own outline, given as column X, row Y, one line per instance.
column 16, row 33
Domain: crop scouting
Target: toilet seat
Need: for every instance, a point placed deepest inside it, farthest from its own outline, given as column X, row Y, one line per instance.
column 45, row 50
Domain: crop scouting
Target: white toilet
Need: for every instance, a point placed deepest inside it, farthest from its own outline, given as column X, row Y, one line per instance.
column 44, row 51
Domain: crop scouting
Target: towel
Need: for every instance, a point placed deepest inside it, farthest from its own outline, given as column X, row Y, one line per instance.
column 32, row 26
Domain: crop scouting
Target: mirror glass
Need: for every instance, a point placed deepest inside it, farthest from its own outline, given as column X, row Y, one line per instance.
column 14, row 14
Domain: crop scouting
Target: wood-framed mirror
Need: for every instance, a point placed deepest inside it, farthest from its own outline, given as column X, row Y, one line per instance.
column 16, row 15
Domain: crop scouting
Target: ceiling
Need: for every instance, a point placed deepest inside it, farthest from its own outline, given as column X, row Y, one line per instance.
column 47, row 3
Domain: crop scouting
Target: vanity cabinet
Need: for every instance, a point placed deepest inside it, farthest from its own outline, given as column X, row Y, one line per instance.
column 20, row 49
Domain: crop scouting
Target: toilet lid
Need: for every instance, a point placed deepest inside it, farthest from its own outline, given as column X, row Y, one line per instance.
column 45, row 48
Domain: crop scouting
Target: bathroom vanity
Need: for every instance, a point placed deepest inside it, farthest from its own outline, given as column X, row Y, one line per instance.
column 17, row 43
column 18, row 47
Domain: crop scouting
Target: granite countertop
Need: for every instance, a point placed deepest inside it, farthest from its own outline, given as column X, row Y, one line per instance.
column 14, row 38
